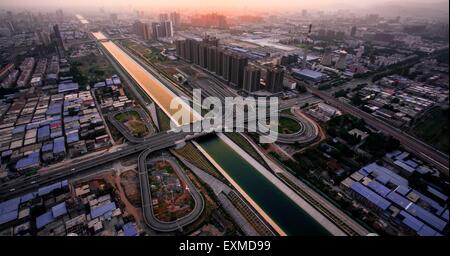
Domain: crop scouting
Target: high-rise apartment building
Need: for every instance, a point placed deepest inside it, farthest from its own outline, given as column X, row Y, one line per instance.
column 226, row 66
column 274, row 79
column 238, row 62
column 203, row 54
column 211, row 58
column 219, row 61
column 252, row 77
column 162, row 29
column 141, row 29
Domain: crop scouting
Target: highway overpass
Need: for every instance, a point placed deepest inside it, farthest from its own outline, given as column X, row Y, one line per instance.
column 146, row 196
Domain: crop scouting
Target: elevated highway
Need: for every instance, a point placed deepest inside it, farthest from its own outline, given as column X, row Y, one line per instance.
column 146, row 197
column 156, row 142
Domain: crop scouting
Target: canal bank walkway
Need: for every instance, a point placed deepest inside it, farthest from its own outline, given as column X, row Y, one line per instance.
column 325, row 222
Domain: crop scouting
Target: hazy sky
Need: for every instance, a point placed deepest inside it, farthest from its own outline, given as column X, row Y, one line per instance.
column 213, row 5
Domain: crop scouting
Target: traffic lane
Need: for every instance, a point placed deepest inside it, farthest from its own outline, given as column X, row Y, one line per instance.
column 147, row 207
column 161, row 139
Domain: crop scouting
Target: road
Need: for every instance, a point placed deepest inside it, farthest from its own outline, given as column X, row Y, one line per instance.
column 146, row 197
column 307, row 134
column 419, row 148
column 125, row 131
column 157, row 141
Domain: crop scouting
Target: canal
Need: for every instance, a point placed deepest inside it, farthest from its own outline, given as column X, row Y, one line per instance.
column 288, row 215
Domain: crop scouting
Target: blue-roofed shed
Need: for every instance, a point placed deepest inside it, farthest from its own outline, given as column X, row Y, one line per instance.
column 7, row 217
column 54, row 109
column 404, row 166
column 363, row 172
column 32, row 125
column 402, row 190
column 48, row 189
column 411, row 163
column 18, row 129
column 437, row 193
column 439, row 209
column 29, row 162
column 393, row 153
column 73, row 137
column 27, row 197
column 43, row 132
column 398, row 200
column 68, row 87
column 47, row 147
column 10, row 205
column 59, row 145
column 103, row 209
column 308, row 74
column 99, row 84
column 411, row 222
column 427, row 216
column 116, row 80
column 371, row 196
column 7, row 153
column 129, row 229
column 377, row 170
column 445, row 214
column 44, row 219
column 402, row 156
column 423, row 169
column 427, row 231
column 59, row 209
column 379, row 188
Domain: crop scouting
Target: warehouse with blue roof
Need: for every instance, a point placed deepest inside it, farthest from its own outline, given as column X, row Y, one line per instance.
column 59, row 209
column 9, row 210
column 102, row 210
column 44, row 219
column 387, row 192
column 68, row 87
column 29, row 163
column 308, row 74
column 366, row 194
column 129, row 229
column 43, row 133
column 59, row 147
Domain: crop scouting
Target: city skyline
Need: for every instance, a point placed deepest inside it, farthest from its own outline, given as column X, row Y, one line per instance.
column 220, row 6
column 221, row 118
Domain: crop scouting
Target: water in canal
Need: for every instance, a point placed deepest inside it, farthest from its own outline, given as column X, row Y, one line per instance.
column 281, row 209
